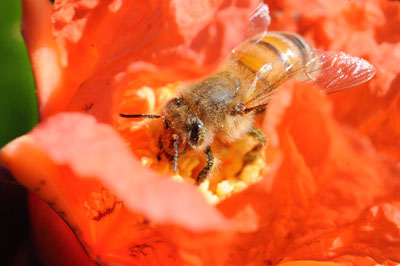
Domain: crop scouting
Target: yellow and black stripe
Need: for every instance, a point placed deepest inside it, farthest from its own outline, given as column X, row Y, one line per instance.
column 272, row 58
column 280, row 51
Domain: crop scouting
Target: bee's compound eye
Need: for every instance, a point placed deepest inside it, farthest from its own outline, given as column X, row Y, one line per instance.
column 196, row 132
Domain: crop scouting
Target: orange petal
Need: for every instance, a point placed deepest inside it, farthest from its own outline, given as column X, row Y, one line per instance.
column 43, row 50
column 65, row 170
column 96, row 150
column 173, row 45
column 81, row 48
column 55, row 243
column 308, row 263
column 364, row 29
column 330, row 196
column 384, row 127
column 371, row 239
column 324, row 177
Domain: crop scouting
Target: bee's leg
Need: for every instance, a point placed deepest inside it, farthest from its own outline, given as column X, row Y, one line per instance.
column 258, row 134
column 175, row 138
column 253, row 154
column 206, row 170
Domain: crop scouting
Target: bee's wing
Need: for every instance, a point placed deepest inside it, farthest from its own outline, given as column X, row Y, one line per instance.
column 337, row 71
column 256, row 97
column 259, row 20
column 330, row 71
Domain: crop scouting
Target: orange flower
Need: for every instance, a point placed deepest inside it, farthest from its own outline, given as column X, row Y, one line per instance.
column 329, row 196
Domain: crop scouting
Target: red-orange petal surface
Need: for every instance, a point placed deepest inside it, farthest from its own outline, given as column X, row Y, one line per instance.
column 330, row 195
column 316, row 201
column 368, row 29
column 76, row 46
column 73, row 182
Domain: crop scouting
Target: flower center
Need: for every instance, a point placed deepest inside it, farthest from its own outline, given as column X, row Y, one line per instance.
column 237, row 164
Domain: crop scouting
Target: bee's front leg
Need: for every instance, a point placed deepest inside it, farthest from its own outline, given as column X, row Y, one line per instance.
column 206, row 170
column 258, row 134
column 251, row 155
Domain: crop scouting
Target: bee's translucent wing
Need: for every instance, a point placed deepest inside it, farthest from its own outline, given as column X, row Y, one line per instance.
column 259, row 20
column 257, row 96
column 337, row 71
column 330, row 71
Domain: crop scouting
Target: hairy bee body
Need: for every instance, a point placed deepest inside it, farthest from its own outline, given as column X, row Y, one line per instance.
column 259, row 64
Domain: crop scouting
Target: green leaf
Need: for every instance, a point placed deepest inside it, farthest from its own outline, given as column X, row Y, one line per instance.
column 18, row 106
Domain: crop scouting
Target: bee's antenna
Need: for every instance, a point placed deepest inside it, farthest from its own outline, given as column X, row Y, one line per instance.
column 175, row 138
column 146, row 116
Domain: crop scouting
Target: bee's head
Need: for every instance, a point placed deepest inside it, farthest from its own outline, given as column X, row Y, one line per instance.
column 189, row 127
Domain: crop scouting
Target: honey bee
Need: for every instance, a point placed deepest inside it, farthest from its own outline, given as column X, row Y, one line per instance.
column 224, row 104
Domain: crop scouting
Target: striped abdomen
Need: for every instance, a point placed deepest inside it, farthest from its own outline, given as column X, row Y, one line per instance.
column 269, row 60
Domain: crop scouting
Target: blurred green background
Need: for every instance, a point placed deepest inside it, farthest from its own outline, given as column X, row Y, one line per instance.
column 18, row 107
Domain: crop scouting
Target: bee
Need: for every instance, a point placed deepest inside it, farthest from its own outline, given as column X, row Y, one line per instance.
column 224, row 104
